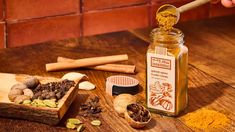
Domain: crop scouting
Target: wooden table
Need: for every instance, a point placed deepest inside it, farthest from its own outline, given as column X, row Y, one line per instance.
column 211, row 46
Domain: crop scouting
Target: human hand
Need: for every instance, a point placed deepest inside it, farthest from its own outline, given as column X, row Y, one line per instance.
column 228, row 3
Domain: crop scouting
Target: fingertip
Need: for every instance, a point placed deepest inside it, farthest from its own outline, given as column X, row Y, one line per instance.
column 227, row 3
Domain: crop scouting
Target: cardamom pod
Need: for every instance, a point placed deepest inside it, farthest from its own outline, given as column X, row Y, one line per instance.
column 74, row 121
column 27, row 102
column 80, row 128
column 70, row 125
column 40, row 103
column 96, row 122
column 50, row 103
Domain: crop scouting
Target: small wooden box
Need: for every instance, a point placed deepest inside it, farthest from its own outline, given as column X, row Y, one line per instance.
column 50, row 116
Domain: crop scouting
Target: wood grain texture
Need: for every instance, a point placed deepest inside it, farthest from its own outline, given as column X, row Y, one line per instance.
column 41, row 30
column 28, row 9
column 204, row 89
column 89, row 5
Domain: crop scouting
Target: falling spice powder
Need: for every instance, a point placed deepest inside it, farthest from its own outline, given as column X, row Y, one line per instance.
column 166, row 19
column 206, row 119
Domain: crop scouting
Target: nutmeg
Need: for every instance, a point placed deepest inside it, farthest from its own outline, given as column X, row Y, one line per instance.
column 121, row 101
column 13, row 93
column 31, row 82
column 20, row 98
column 28, row 92
column 20, row 86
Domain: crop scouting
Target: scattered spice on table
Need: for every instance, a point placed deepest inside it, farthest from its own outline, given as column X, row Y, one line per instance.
column 91, row 108
column 206, row 119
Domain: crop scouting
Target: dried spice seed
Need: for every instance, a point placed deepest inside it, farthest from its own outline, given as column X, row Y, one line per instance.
column 121, row 101
column 91, row 108
column 40, row 103
column 86, row 85
column 80, row 128
column 28, row 92
column 70, row 125
column 74, row 121
column 14, row 93
column 20, row 98
column 31, row 82
column 20, row 86
column 52, row 90
column 50, row 103
column 96, row 122
column 27, row 102
column 138, row 113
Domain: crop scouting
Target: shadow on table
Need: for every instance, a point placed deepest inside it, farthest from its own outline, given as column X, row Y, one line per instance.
column 73, row 110
column 203, row 96
column 150, row 125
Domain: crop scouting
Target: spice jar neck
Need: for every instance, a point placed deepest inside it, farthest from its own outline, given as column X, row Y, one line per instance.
column 169, row 39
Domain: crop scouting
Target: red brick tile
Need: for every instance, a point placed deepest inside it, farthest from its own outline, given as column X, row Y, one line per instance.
column 25, row 9
column 201, row 12
column 161, row 2
column 41, row 30
column 115, row 20
column 1, row 10
column 2, row 35
column 105, row 4
column 219, row 10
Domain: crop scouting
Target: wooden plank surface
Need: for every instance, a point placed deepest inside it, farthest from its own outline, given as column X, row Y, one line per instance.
column 205, row 88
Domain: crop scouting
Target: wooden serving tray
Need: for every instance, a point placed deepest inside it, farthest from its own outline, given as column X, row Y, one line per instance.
column 50, row 116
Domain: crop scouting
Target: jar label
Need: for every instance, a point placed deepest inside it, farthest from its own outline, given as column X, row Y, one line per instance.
column 161, row 82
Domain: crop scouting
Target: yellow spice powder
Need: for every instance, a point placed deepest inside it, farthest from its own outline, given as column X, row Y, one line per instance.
column 206, row 119
column 166, row 19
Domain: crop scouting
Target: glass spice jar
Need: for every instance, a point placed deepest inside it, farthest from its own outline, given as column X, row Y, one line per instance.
column 167, row 65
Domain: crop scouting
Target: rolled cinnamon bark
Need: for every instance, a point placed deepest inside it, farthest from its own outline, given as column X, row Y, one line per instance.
column 106, row 67
column 86, row 62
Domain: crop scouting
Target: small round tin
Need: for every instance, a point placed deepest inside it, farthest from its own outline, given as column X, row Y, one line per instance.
column 121, row 84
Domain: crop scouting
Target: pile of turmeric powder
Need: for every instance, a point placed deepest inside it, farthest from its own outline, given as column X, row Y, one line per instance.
column 166, row 19
column 206, row 119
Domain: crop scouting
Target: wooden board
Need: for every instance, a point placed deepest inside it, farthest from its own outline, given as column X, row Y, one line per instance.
column 50, row 116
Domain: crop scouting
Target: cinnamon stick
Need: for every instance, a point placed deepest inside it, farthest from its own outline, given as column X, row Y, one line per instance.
column 106, row 67
column 86, row 62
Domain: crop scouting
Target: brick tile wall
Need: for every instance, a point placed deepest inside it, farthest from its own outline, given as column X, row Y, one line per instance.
column 28, row 9
column 115, row 20
column 41, row 30
column 35, row 21
column 2, row 35
column 1, row 10
column 89, row 5
column 219, row 10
